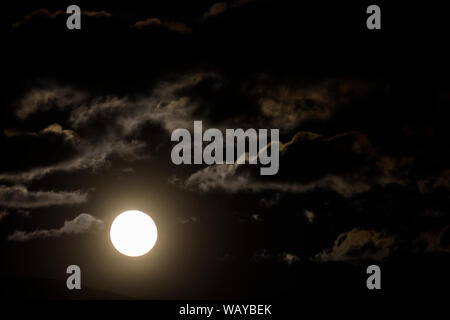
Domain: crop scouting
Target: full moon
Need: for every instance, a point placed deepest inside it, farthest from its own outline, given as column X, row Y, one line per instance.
column 133, row 233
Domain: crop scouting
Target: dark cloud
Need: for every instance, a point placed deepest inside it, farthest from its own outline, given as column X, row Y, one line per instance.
column 83, row 223
column 3, row 214
column 90, row 156
column 216, row 9
column 9, row 212
column 226, row 177
column 34, row 150
column 358, row 244
column 44, row 99
column 235, row 178
column 37, row 14
column 288, row 105
column 309, row 215
column 430, row 183
column 434, row 241
column 262, row 255
column 128, row 170
column 219, row 8
column 270, row 201
column 164, row 107
column 347, row 163
column 101, row 13
column 364, row 152
column 20, row 197
column 188, row 220
column 443, row 180
column 289, row 258
column 175, row 26
column 46, row 14
column 54, row 128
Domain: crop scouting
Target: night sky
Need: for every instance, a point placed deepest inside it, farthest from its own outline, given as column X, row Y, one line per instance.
column 86, row 119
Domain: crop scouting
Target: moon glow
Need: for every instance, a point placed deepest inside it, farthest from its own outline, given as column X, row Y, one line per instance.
column 133, row 233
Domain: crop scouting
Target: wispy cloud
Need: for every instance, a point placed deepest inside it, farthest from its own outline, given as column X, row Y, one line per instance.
column 54, row 128
column 434, row 241
column 284, row 257
column 3, row 214
column 45, row 13
column 165, row 106
column 81, row 224
column 20, row 197
column 309, row 215
column 358, row 244
column 288, row 105
column 289, row 258
column 46, row 98
column 219, row 8
column 216, row 9
column 175, row 26
column 227, row 178
column 89, row 157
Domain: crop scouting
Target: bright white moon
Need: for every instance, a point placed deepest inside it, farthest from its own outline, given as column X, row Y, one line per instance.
column 133, row 233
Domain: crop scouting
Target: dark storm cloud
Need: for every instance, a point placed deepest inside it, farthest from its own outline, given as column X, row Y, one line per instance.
column 46, row 14
column 175, row 26
column 20, row 197
column 83, row 223
column 358, row 244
